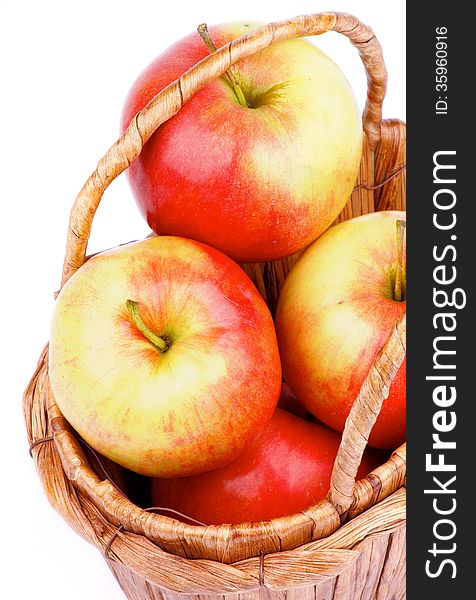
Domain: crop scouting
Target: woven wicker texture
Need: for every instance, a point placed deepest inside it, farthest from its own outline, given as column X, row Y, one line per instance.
column 350, row 545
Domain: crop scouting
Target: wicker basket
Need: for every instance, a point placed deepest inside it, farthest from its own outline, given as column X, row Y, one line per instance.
column 348, row 546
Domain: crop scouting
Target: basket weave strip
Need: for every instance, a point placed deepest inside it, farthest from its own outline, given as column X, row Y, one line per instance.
column 377, row 485
column 363, row 414
column 390, row 158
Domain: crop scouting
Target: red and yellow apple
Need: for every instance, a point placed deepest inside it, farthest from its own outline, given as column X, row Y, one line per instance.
column 163, row 356
column 336, row 310
column 284, row 471
column 257, row 181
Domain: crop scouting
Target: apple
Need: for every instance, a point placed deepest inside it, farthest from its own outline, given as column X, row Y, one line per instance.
column 284, row 471
column 163, row 356
column 258, row 175
column 336, row 310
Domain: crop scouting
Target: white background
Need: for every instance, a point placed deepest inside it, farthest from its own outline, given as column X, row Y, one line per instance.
column 65, row 68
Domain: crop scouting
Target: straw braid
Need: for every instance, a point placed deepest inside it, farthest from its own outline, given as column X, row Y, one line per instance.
column 363, row 414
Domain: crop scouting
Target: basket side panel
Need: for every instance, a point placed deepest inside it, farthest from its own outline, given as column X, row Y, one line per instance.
column 378, row 574
column 390, row 167
column 392, row 582
column 133, row 585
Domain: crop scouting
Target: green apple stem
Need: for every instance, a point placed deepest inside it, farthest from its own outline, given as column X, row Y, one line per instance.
column 398, row 290
column 161, row 344
column 231, row 73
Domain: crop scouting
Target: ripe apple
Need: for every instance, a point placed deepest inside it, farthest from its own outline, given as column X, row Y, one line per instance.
column 163, row 356
column 336, row 310
column 259, row 181
column 285, row 470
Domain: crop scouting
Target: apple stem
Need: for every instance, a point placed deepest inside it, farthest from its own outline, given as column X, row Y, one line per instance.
column 161, row 344
column 398, row 290
column 230, row 75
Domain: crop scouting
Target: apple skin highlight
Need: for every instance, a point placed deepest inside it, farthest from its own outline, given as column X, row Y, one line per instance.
column 259, row 182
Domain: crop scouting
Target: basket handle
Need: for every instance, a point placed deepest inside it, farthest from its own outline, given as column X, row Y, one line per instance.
column 170, row 100
column 362, row 416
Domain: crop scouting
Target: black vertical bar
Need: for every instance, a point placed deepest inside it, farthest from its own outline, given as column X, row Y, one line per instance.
column 440, row 298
